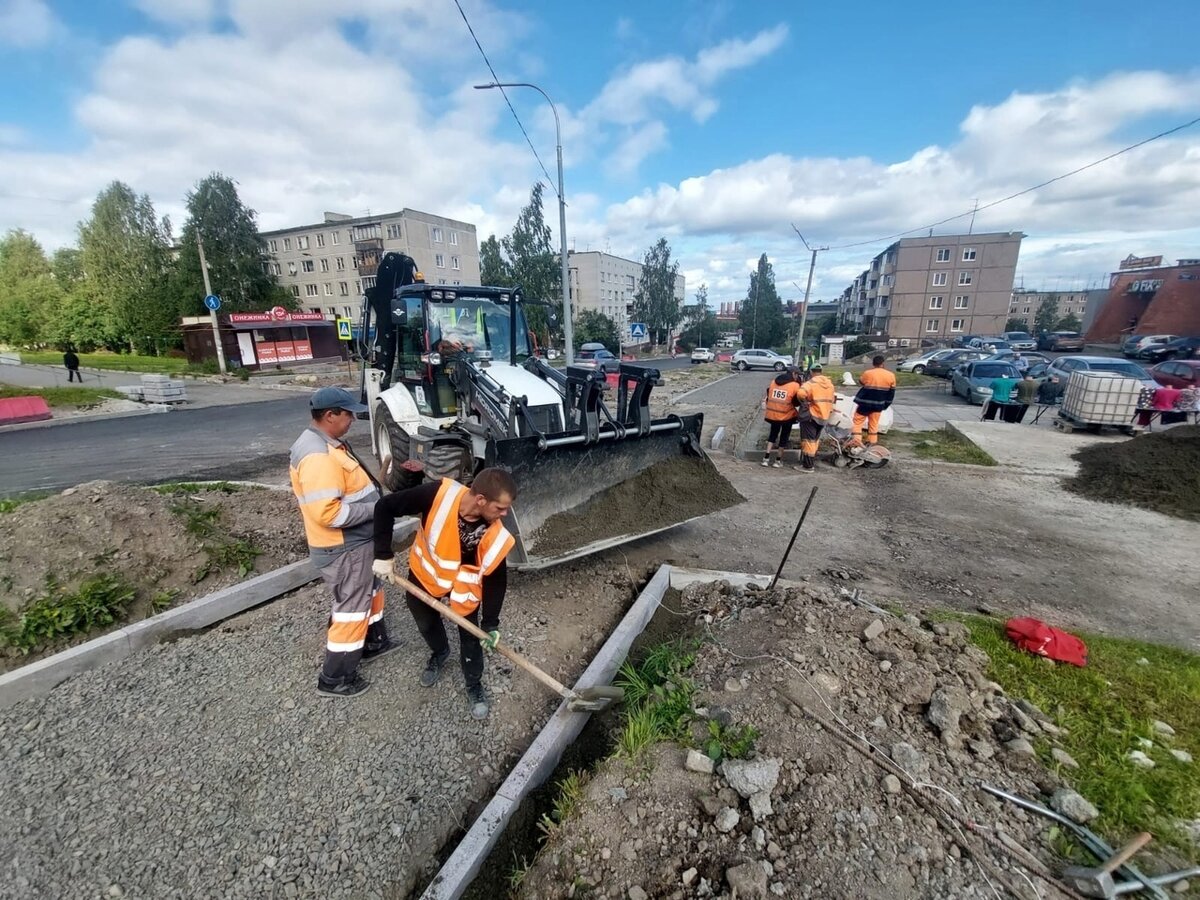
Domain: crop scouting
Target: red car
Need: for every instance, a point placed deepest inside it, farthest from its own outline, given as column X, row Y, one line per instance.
column 1180, row 373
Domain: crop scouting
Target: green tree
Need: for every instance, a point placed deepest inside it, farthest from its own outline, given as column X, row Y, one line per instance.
column 28, row 292
column 533, row 264
column 655, row 302
column 1069, row 322
column 592, row 325
column 493, row 267
column 1047, row 315
column 761, row 317
column 1015, row 324
column 232, row 249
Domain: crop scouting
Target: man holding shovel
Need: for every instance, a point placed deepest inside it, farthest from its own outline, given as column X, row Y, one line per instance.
column 458, row 553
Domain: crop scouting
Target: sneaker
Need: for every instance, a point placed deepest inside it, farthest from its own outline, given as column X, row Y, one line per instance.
column 351, row 687
column 374, row 651
column 766, row 462
column 479, row 701
column 433, row 669
column 778, row 464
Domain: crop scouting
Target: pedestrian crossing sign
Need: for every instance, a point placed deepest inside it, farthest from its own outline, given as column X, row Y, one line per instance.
column 637, row 329
column 343, row 327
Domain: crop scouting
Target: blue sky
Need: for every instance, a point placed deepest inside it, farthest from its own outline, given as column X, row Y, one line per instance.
column 717, row 124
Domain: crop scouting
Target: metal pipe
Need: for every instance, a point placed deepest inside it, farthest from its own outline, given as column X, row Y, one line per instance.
column 604, row 436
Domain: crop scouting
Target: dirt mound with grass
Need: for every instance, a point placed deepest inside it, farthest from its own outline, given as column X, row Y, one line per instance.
column 99, row 555
column 1159, row 471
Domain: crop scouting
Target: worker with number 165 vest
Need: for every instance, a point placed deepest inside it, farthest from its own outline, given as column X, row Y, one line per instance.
column 780, row 414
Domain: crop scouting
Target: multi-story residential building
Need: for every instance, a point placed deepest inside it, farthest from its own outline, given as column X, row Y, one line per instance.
column 607, row 284
column 934, row 288
column 328, row 266
column 1024, row 304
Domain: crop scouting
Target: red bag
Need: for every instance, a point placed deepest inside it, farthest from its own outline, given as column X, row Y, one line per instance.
column 1037, row 637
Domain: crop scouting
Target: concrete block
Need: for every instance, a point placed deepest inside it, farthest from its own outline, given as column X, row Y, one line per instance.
column 43, row 676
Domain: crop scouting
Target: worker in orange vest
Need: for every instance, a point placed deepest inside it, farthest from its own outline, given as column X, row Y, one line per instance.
column 876, row 394
column 817, row 396
column 780, row 414
column 459, row 554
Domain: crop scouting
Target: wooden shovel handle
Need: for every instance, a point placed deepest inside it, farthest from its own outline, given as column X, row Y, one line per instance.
column 1126, row 853
column 474, row 629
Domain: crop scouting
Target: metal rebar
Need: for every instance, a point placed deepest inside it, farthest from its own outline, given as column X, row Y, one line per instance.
column 792, row 542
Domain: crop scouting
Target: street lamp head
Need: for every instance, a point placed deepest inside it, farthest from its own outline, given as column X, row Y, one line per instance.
column 484, row 87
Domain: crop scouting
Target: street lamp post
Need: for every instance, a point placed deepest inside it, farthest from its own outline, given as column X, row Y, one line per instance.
column 568, row 324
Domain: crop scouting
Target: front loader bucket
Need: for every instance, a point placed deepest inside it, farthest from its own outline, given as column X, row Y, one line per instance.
column 576, row 498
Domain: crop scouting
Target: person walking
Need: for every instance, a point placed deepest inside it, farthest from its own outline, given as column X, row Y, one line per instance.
column 71, row 362
column 817, row 396
column 877, row 391
column 337, row 499
column 459, row 553
column 1027, row 389
column 780, row 415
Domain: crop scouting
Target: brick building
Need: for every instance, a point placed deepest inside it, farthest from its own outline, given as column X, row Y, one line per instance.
column 1146, row 297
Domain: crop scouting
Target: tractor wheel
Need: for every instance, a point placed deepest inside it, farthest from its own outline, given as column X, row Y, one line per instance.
column 447, row 459
column 392, row 440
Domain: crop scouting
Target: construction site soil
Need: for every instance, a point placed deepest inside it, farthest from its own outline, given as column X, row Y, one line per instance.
column 1159, row 471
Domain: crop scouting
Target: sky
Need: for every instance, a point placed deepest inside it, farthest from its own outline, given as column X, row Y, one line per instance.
column 725, row 127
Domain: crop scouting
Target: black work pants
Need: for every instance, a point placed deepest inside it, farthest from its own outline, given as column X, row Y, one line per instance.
column 433, row 630
column 73, row 375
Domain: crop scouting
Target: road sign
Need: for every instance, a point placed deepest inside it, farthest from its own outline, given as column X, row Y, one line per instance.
column 213, row 302
column 344, row 332
column 637, row 329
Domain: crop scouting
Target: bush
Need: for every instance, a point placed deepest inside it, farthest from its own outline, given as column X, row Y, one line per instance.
column 99, row 601
column 242, row 372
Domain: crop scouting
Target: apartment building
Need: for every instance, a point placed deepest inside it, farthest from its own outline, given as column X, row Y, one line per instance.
column 934, row 288
column 606, row 284
column 327, row 266
column 1024, row 304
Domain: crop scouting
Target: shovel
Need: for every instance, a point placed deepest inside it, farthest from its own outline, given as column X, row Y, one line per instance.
column 592, row 699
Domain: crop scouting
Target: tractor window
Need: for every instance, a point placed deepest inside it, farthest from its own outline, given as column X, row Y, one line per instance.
column 473, row 324
column 411, row 343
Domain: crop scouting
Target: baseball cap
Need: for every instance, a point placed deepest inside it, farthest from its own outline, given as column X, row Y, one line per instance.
column 336, row 398
column 815, row 367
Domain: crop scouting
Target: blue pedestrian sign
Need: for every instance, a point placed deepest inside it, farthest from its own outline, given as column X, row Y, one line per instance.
column 637, row 329
column 213, row 302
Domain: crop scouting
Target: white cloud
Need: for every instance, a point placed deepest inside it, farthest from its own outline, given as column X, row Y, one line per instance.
column 26, row 23
column 639, row 143
column 179, row 12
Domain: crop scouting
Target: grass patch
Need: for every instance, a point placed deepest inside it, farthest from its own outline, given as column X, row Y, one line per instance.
column 658, row 697
column 1106, row 707
column 729, row 741
column 184, row 488
column 113, row 362
column 945, row 446
column 223, row 551
column 903, row 379
column 566, row 801
column 62, row 396
column 8, row 504
column 101, row 600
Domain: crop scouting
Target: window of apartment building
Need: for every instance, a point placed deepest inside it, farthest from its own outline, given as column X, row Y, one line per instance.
column 315, row 309
column 968, row 254
column 629, row 281
column 266, row 267
column 341, row 263
column 320, row 240
column 274, row 245
column 393, row 232
column 287, row 243
column 307, row 265
column 441, row 281
column 1025, row 310
column 961, row 301
column 344, row 288
column 874, row 284
column 310, row 290
column 347, row 311
column 454, row 263
column 456, row 281
column 335, row 237
column 295, row 290
column 964, row 278
column 276, row 269
column 331, row 310
column 440, row 261
column 936, row 302
column 889, row 280
column 368, row 281
column 436, row 234
column 302, row 242
column 943, row 254
column 324, row 264
column 939, row 279
column 931, row 325
column 328, row 289
column 454, row 240
column 883, row 301
column 956, row 324
column 357, row 286
column 365, row 232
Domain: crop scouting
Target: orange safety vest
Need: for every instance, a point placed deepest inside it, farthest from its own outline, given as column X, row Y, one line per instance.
column 781, row 401
column 435, row 558
column 821, row 395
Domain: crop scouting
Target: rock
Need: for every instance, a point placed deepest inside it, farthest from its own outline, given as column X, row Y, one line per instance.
column 726, row 820
column 827, row 683
column 913, row 685
column 751, row 776
column 636, row 893
column 747, row 881
column 907, row 757
column 1181, row 887
column 1144, row 743
column 698, row 762
column 733, row 686
column 1063, row 758
column 618, row 793
column 720, row 715
column 689, row 876
column 710, row 804
column 1030, row 710
column 910, row 619
column 1140, row 759
column 946, row 707
column 1073, row 805
column 760, row 805
column 289, row 703
column 1019, row 746
column 891, row 784
column 1024, row 721
column 627, row 851
column 1162, row 728
column 885, row 665
column 1142, row 661
column 1182, row 755
column 982, row 749
column 874, row 630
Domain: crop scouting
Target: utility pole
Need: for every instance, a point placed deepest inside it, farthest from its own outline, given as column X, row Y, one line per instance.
column 212, row 313
column 808, row 288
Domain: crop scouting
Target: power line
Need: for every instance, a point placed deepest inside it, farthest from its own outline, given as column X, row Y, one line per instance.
column 496, row 79
column 1036, row 187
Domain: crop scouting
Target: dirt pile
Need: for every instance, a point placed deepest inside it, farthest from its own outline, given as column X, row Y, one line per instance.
column 805, row 815
column 1159, row 471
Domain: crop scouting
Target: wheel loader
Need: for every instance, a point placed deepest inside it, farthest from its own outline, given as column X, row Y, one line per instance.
column 453, row 385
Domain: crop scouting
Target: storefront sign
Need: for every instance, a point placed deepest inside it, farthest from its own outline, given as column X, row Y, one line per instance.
column 1146, row 285
column 268, row 318
column 1140, row 262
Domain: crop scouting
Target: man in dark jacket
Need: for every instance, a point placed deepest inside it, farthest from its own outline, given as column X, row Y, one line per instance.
column 71, row 361
column 876, row 394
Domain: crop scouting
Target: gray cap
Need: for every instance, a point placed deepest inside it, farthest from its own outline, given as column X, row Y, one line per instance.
column 815, row 367
column 336, row 398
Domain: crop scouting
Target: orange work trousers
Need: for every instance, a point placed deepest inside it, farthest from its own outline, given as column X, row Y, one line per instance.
column 871, row 420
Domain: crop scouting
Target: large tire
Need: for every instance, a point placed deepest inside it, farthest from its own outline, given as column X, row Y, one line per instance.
column 741, row 365
column 448, row 459
column 918, row 370
column 393, row 441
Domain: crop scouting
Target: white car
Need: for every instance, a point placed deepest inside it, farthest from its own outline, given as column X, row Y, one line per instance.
column 703, row 355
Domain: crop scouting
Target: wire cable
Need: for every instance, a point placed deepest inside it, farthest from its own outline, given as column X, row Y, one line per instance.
column 496, row 79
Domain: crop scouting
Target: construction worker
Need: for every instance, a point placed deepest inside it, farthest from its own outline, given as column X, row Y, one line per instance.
column 817, row 396
column 780, row 414
column 337, row 502
column 459, row 552
column 876, row 394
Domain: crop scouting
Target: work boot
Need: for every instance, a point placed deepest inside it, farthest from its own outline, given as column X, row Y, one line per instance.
column 766, row 461
column 433, row 669
column 479, row 701
column 382, row 648
column 778, row 464
column 348, row 687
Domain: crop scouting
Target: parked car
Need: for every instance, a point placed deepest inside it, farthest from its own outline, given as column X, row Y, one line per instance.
column 1180, row 348
column 964, row 340
column 990, row 344
column 1032, row 359
column 1065, row 365
column 941, row 366
column 1151, row 348
column 1129, row 342
column 1060, row 341
column 919, row 362
column 1020, row 340
column 760, row 359
column 1180, row 373
column 596, row 356
column 703, row 355
column 1134, row 349
column 973, row 381
column 724, row 356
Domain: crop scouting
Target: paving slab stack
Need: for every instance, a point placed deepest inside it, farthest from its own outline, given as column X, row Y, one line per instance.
column 161, row 389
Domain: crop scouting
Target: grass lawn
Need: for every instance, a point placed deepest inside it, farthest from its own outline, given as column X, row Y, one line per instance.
column 61, row 396
column 1106, row 707
column 903, row 379
column 116, row 362
column 942, row 445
